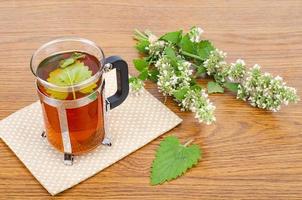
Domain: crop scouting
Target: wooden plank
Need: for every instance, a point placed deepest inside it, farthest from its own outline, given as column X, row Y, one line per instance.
column 248, row 153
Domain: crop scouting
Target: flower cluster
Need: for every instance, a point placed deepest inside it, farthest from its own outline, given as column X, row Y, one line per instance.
column 261, row 90
column 167, row 79
column 236, row 71
column 265, row 91
column 175, row 60
column 217, row 66
column 197, row 101
column 175, row 78
column 136, row 85
column 195, row 34
column 156, row 47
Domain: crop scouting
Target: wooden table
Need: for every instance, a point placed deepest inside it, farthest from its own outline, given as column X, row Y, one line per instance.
column 248, row 154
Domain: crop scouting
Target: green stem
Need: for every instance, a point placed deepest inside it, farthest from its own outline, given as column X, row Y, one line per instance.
column 188, row 142
column 73, row 93
column 72, row 88
column 140, row 34
column 191, row 55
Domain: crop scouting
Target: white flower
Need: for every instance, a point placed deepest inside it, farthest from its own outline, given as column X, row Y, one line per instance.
column 152, row 38
column 278, row 78
column 256, row 66
column 236, row 71
column 156, row 48
column 216, row 65
column 198, row 102
column 265, row 91
column 240, row 61
column 195, row 34
column 136, row 86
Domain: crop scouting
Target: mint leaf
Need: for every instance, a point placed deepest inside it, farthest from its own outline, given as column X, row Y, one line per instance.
column 170, row 53
column 231, row 86
column 66, row 62
column 69, row 76
column 214, row 87
column 143, row 75
column 173, row 160
column 93, row 96
column 153, row 75
column 201, row 70
column 180, row 94
column 72, row 59
column 195, row 87
column 141, row 46
column 204, row 49
column 140, row 64
column 187, row 45
column 173, row 37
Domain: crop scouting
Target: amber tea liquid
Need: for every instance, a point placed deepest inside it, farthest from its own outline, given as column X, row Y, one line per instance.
column 86, row 123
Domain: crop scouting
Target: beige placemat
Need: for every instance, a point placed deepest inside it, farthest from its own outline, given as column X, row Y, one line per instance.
column 136, row 122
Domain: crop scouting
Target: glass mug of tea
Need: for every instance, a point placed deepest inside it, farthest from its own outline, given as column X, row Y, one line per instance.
column 70, row 84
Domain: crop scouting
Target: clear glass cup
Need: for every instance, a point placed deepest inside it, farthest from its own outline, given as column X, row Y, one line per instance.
column 75, row 115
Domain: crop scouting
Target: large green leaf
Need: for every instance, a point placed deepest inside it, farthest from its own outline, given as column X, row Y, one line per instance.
column 187, row 45
column 69, row 76
column 173, row 159
column 140, row 64
column 142, row 45
column 173, row 37
column 143, row 75
column 204, row 49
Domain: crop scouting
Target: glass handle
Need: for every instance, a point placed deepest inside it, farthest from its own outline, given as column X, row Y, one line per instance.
column 121, row 78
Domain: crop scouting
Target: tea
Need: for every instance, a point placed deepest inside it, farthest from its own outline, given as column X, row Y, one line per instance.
column 85, row 123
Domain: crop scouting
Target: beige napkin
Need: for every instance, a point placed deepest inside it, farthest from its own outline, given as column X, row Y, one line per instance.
column 136, row 122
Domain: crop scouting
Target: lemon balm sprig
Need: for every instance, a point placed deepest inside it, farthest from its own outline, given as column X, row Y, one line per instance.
column 163, row 63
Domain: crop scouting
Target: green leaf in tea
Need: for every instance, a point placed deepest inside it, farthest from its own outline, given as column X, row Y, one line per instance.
column 69, row 76
column 88, row 89
column 214, row 87
column 56, row 94
column 69, row 61
column 173, row 159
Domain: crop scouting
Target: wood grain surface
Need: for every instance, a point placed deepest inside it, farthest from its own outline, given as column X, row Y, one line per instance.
column 248, row 154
